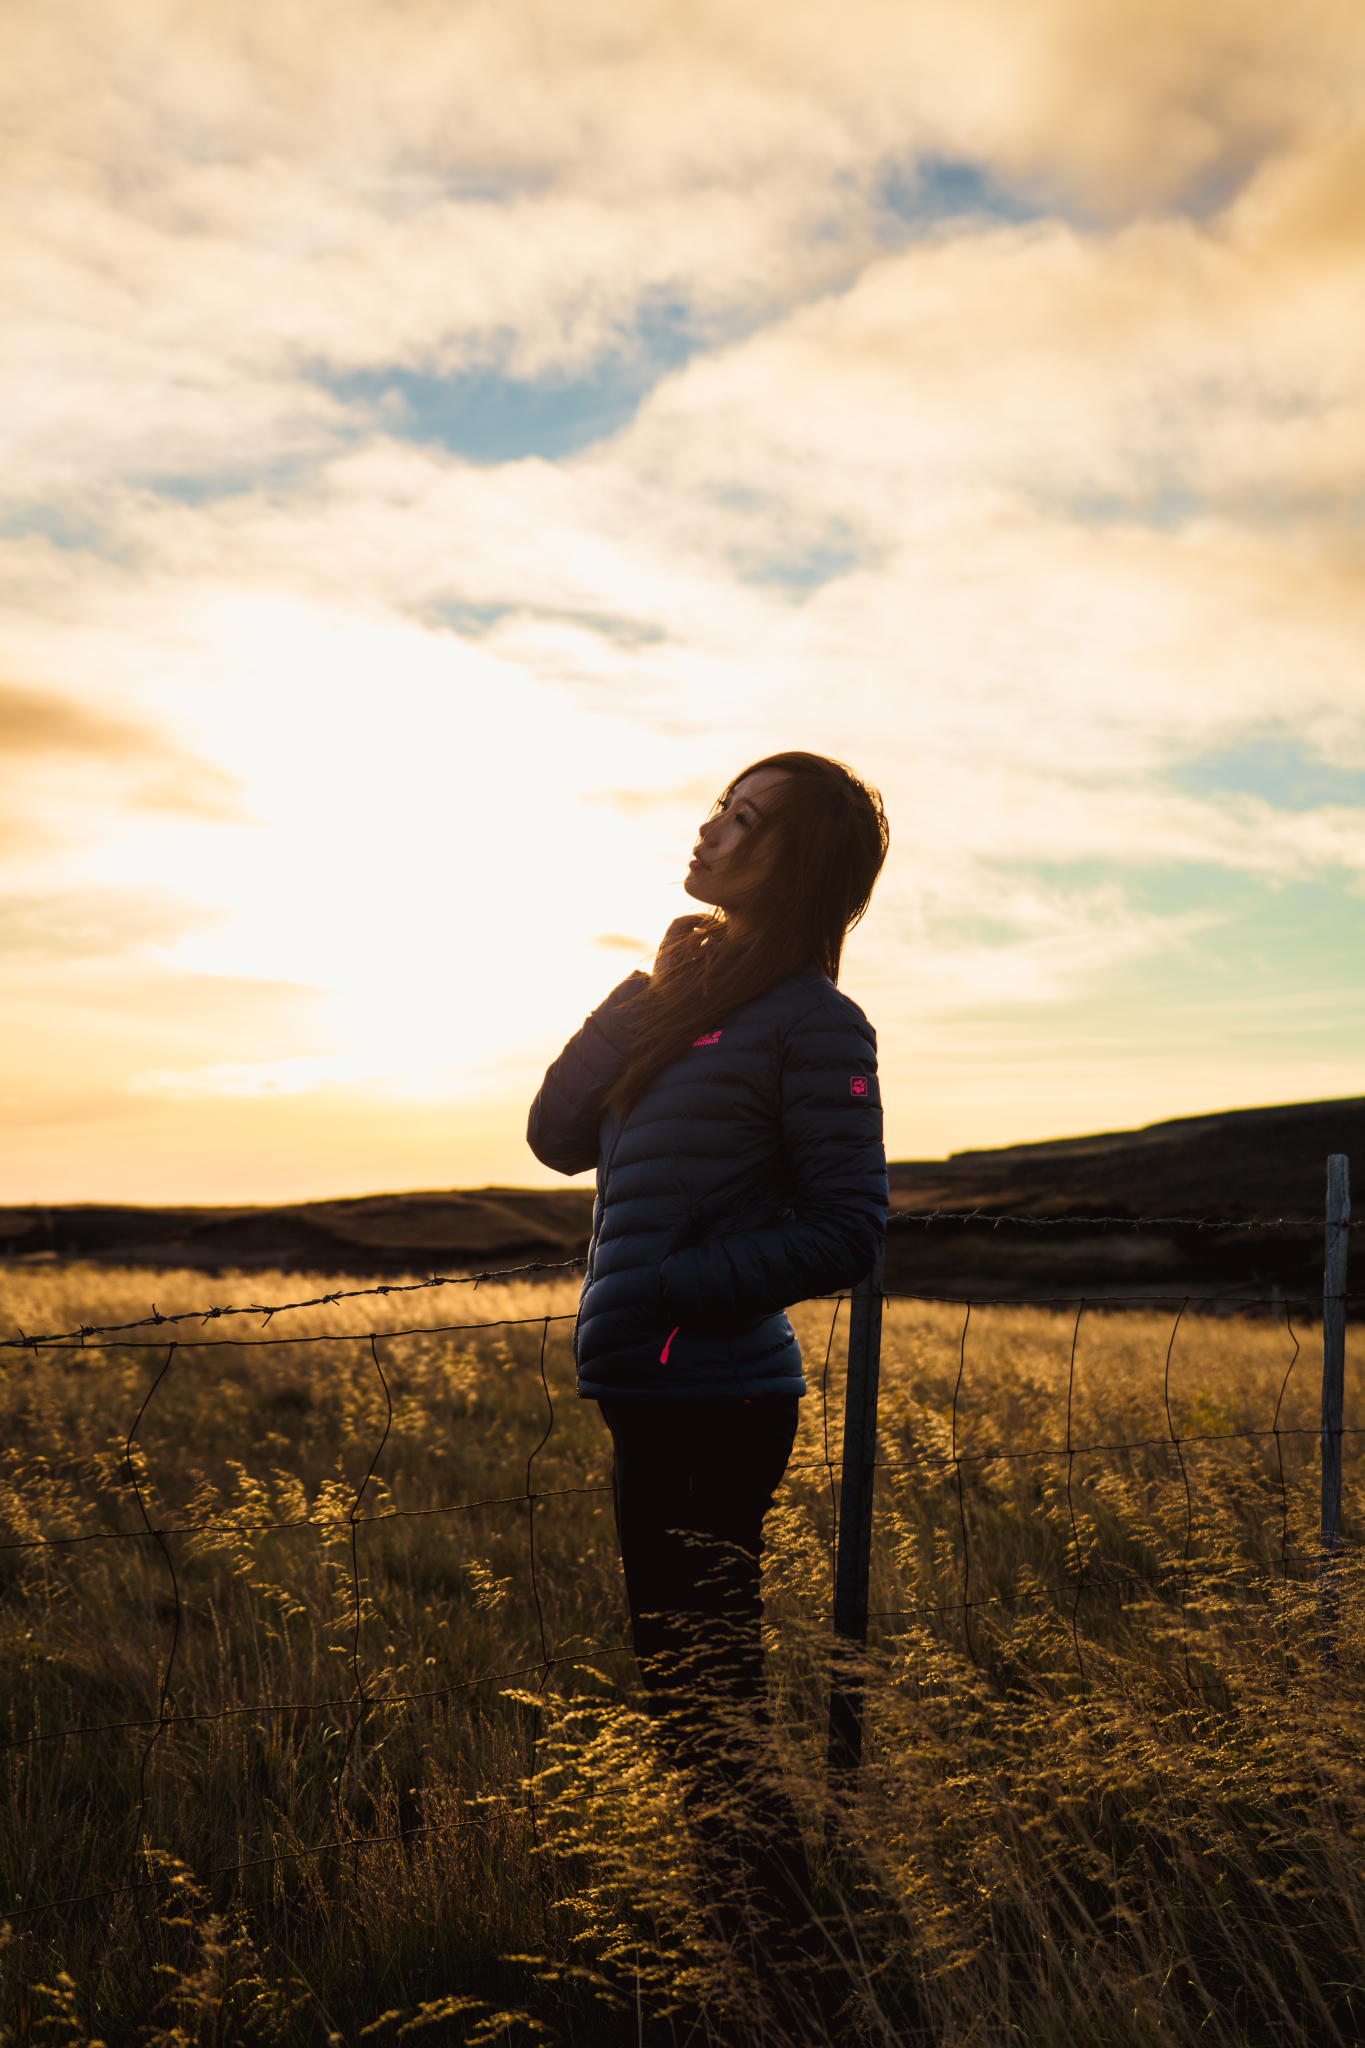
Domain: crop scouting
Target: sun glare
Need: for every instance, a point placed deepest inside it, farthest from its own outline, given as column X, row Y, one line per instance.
column 423, row 847
column 419, row 501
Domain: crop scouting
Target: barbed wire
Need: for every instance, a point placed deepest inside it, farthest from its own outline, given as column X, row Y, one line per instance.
column 1262, row 1296
column 898, row 1216
column 366, row 1696
column 158, row 1321
column 1256, row 1296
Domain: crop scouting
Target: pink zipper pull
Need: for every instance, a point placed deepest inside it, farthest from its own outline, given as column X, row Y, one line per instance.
column 663, row 1355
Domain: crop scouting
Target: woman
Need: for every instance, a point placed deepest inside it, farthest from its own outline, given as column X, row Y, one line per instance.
column 730, row 1104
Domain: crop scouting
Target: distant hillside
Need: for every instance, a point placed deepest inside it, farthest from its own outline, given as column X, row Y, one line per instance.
column 415, row 1233
column 1243, row 1165
column 1240, row 1166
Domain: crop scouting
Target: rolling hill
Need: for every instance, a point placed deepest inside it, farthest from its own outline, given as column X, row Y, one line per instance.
column 1242, row 1167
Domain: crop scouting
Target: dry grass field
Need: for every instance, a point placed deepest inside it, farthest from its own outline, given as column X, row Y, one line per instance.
column 1109, row 1794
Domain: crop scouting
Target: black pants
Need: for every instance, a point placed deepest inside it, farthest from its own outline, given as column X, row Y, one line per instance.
column 691, row 1483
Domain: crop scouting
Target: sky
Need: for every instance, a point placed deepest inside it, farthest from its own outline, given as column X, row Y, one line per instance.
column 443, row 443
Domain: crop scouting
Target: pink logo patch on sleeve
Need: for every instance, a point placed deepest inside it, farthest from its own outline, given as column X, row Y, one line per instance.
column 857, row 1084
column 711, row 1038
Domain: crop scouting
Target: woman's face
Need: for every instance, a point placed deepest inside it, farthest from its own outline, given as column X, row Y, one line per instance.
column 718, row 873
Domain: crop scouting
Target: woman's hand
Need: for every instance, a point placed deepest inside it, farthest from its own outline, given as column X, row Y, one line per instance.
column 675, row 938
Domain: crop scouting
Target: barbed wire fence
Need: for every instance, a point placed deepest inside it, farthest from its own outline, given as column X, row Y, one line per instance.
column 850, row 1477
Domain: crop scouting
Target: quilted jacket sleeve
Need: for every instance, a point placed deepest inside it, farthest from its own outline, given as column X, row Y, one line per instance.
column 832, row 1132
column 567, row 1113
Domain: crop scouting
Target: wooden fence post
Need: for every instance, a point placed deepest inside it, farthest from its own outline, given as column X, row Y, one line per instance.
column 853, row 1558
column 1333, row 1395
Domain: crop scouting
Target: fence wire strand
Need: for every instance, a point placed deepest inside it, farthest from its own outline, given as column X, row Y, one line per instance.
column 906, row 1218
column 535, row 1268
column 364, row 1699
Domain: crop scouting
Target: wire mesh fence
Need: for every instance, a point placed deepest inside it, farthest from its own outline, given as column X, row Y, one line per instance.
column 922, row 1457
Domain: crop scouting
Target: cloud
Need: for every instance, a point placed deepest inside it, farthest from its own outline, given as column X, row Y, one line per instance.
column 694, row 797
column 42, row 731
column 463, row 436
column 67, row 769
column 1276, row 768
column 36, row 722
column 1145, row 96
column 91, row 924
column 239, row 1079
column 226, row 216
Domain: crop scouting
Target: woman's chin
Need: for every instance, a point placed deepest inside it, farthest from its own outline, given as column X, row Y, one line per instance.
column 696, row 887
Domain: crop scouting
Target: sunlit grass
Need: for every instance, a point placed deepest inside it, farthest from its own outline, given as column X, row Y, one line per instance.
column 1107, row 1793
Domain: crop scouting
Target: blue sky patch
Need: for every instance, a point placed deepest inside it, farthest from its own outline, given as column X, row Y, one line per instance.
column 1165, row 508
column 487, row 416
column 937, row 188
column 470, row 621
column 1267, row 939
column 1262, row 995
column 805, row 568
column 473, row 621
column 795, row 562
column 1280, row 771
column 64, row 529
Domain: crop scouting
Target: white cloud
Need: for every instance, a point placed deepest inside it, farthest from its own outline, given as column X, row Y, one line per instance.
column 237, row 1078
column 1014, row 515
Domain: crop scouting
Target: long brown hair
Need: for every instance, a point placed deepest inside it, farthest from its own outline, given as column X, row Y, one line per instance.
column 816, row 851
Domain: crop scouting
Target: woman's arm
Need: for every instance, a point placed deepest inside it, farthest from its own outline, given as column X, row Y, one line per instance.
column 567, row 1113
column 832, row 1131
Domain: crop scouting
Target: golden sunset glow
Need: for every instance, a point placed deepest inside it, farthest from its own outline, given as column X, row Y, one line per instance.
column 444, row 444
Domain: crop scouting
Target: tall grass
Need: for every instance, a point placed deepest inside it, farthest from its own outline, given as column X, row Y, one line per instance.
column 1109, row 1792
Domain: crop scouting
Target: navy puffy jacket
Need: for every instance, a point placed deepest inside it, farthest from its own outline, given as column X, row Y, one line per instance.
column 748, row 1175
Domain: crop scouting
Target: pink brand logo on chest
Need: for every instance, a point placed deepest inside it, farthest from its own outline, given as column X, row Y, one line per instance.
column 857, row 1084
column 711, row 1038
